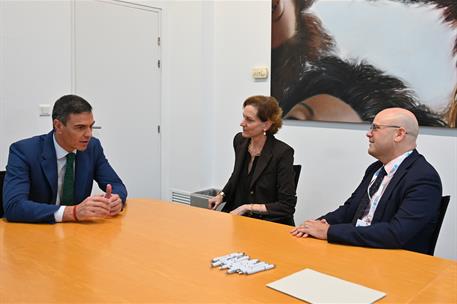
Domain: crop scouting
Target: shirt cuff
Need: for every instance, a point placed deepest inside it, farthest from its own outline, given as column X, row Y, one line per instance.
column 58, row 215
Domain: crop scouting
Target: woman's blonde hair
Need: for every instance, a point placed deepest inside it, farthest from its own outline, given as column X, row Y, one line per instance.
column 267, row 109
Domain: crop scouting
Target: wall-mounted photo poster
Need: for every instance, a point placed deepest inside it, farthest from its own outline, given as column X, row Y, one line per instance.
column 345, row 60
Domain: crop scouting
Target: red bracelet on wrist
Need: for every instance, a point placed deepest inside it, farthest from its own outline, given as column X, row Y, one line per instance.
column 74, row 213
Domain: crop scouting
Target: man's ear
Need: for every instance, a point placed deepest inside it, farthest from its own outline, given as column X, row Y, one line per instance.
column 57, row 125
column 399, row 135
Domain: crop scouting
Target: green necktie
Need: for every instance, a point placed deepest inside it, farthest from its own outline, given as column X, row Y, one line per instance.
column 68, row 189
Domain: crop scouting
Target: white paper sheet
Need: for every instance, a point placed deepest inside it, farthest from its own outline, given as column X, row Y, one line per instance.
column 315, row 287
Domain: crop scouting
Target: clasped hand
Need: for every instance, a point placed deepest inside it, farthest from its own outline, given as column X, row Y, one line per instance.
column 315, row 228
column 99, row 206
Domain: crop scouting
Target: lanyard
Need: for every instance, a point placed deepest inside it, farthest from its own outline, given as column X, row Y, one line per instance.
column 374, row 201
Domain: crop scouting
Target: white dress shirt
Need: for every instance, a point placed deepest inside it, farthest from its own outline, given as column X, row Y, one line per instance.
column 391, row 167
column 61, row 155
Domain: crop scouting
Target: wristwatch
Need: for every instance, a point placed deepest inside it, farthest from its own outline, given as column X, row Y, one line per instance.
column 222, row 194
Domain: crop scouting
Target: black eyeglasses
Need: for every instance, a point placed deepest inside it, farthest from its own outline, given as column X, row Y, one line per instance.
column 375, row 127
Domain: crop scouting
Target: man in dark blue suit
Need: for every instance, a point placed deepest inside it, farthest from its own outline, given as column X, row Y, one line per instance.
column 49, row 177
column 397, row 203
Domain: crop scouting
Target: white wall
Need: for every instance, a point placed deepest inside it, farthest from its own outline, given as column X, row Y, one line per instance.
column 187, row 95
column 34, row 66
column 208, row 51
column 242, row 41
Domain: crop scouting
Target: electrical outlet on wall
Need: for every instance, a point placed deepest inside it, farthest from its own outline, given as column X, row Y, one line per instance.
column 45, row 110
column 260, row 72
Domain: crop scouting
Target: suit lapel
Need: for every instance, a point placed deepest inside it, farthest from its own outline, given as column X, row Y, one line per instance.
column 394, row 182
column 263, row 160
column 49, row 163
column 240, row 154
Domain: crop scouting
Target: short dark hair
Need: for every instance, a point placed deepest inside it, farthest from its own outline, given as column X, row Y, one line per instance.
column 69, row 104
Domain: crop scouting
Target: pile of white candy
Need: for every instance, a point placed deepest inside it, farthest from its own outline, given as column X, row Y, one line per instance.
column 239, row 262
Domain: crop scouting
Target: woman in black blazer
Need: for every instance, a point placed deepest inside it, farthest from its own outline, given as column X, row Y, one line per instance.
column 262, row 182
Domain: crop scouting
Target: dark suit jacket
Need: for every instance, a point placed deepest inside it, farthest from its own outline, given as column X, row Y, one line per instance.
column 30, row 186
column 272, row 181
column 406, row 215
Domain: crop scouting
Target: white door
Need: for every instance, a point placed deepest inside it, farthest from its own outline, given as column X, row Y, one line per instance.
column 116, row 61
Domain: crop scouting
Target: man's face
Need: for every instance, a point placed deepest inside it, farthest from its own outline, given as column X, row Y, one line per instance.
column 76, row 133
column 381, row 137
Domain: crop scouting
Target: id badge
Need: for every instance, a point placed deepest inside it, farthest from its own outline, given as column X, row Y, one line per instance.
column 361, row 223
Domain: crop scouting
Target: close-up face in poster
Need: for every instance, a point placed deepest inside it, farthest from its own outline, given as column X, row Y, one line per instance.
column 346, row 60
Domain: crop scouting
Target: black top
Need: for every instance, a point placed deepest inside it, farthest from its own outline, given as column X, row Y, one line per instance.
column 244, row 180
column 271, row 182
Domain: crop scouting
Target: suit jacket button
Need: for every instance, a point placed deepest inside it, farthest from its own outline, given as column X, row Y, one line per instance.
column 252, row 192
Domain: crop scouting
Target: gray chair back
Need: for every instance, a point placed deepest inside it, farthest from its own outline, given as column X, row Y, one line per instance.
column 297, row 170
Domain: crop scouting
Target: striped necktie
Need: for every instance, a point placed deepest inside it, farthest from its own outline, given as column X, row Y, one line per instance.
column 364, row 206
column 374, row 188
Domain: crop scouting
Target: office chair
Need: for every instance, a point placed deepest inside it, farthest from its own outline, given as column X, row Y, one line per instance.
column 443, row 207
column 297, row 170
column 2, row 176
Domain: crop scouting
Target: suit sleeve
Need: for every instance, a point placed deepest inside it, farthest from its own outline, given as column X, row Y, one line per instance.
column 418, row 207
column 16, row 203
column 285, row 186
column 105, row 174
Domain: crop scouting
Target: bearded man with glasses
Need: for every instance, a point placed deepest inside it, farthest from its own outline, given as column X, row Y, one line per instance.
column 397, row 203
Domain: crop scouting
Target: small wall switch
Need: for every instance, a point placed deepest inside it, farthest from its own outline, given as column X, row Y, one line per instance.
column 260, row 72
column 45, row 110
